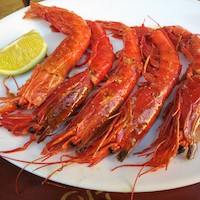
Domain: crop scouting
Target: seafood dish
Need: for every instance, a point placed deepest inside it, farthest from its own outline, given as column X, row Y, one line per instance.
column 87, row 102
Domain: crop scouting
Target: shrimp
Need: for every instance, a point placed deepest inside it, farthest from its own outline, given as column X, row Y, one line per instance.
column 70, row 95
column 180, row 129
column 49, row 74
column 90, row 122
column 143, row 106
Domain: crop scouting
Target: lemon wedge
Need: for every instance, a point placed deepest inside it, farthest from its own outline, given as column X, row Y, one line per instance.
column 22, row 54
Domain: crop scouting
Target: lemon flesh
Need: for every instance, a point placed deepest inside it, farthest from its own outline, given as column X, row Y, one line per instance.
column 22, row 54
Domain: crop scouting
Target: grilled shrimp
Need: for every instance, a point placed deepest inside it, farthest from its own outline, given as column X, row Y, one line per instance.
column 49, row 74
column 101, row 108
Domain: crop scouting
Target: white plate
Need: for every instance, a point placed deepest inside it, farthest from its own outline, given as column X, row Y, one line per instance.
column 132, row 12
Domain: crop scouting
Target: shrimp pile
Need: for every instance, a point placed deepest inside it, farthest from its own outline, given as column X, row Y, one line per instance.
column 107, row 109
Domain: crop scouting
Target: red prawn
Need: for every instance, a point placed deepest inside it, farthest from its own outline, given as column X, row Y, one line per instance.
column 105, row 103
column 142, row 107
column 69, row 96
column 49, row 74
column 180, row 129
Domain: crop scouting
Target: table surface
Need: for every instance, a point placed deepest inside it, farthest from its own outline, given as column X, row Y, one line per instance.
column 31, row 187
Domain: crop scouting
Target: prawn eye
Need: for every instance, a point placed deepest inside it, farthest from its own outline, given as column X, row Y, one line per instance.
column 72, row 144
column 18, row 105
column 122, row 155
column 181, row 149
column 111, row 150
column 32, row 130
